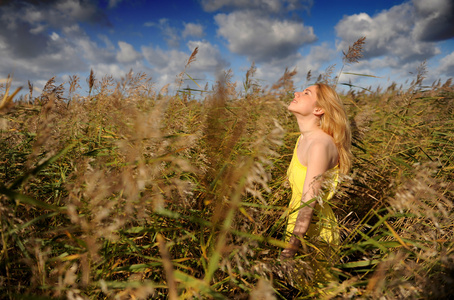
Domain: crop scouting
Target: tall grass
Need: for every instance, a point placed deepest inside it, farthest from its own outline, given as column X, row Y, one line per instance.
column 131, row 193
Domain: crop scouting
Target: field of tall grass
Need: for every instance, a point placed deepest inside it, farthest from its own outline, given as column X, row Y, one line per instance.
column 134, row 193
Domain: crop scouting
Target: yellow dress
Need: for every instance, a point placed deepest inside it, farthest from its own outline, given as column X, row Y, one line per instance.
column 323, row 232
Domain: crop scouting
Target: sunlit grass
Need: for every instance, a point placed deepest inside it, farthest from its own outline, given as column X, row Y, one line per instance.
column 131, row 193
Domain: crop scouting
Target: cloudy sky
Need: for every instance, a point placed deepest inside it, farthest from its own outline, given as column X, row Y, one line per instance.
column 40, row 39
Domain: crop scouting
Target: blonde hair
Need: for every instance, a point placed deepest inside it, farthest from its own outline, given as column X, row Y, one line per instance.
column 334, row 122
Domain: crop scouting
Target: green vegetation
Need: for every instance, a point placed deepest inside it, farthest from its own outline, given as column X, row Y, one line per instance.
column 130, row 193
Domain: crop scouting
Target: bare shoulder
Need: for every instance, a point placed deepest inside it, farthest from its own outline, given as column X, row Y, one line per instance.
column 322, row 140
column 323, row 145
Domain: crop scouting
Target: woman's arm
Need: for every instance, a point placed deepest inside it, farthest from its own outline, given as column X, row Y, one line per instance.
column 318, row 162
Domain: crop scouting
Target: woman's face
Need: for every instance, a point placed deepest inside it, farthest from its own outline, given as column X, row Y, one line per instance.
column 304, row 103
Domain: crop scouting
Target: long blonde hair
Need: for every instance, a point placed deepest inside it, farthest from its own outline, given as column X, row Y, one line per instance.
column 334, row 122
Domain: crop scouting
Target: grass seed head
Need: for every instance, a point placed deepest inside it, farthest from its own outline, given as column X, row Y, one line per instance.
column 354, row 52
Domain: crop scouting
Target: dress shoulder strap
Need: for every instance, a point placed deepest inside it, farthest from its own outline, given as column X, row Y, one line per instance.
column 296, row 144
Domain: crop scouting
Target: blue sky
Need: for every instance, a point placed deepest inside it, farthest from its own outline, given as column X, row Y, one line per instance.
column 42, row 39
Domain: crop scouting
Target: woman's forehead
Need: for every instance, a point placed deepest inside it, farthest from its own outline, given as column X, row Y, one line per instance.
column 312, row 88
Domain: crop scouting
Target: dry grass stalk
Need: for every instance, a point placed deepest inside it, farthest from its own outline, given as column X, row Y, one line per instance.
column 166, row 260
column 250, row 84
column 325, row 77
column 7, row 100
column 91, row 82
column 421, row 73
column 309, row 76
column 285, row 83
column 354, row 52
column 191, row 59
column 73, row 84
column 30, row 89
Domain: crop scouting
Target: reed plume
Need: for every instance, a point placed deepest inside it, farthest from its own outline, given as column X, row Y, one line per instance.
column 354, row 52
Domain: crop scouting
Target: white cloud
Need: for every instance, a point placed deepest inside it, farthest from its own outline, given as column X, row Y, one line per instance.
column 54, row 36
column 399, row 39
column 63, row 56
column 208, row 59
column 387, row 33
column 167, row 64
column 170, row 33
column 53, row 12
column 261, row 38
column 42, row 41
column 434, row 20
column 318, row 56
column 446, row 65
column 269, row 72
column 101, row 69
column 316, row 61
column 191, row 29
column 109, row 45
column 88, row 49
column 76, row 10
column 38, row 29
column 165, row 60
column 127, row 54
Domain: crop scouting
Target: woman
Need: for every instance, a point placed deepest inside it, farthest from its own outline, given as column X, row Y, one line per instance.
column 321, row 152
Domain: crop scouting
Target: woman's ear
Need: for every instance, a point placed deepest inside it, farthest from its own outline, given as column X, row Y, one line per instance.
column 318, row 111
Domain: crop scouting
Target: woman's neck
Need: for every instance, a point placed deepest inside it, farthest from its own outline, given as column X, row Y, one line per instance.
column 308, row 127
